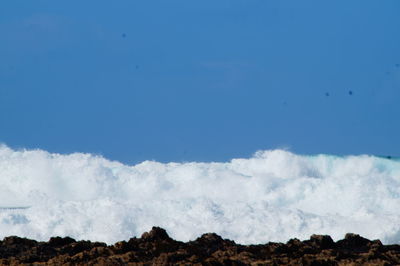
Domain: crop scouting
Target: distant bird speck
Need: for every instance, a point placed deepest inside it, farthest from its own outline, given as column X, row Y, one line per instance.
column 123, row 35
column 397, row 65
column 327, row 94
column 350, row 93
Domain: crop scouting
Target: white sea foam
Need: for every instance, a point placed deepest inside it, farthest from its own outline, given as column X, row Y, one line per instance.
column 273, row 196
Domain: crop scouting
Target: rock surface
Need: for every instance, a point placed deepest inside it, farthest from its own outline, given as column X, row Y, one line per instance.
column 157, row 248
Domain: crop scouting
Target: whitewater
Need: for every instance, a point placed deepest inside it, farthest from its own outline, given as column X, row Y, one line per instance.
column 273, row 196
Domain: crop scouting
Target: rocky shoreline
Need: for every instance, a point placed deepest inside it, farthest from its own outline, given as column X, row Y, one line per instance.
column 157, row 248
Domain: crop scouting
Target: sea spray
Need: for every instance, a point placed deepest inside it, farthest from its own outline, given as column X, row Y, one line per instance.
column 273, row 196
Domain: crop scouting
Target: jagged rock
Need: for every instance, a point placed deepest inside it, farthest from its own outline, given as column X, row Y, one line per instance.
column 157, row 248
column 156, row 233
column 354, row 242
column 60, row 241
column 322, row 241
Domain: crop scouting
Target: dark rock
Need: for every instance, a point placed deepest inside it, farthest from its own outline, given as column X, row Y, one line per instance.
column 60, row 241
column 18, row 241
column 354, row 242
column 157, row 248
column 322, row 241
column 156, row 233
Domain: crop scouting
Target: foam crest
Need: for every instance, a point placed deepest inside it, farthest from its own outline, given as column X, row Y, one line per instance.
column 273, row 196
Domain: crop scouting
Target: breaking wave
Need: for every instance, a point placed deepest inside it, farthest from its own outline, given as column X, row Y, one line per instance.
column 273, row 196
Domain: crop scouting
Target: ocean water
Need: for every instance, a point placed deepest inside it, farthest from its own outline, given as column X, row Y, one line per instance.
column 273, row 196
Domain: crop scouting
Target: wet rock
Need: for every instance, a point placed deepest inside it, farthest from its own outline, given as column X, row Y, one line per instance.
column 157, row 248
column 60, row 241
column 156, row 233
column 322, row 241
column 354, row 242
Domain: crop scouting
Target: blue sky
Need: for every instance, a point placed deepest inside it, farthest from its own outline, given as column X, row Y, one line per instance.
column 183, row 80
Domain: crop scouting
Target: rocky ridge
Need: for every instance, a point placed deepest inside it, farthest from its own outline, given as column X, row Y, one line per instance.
column 157, row 248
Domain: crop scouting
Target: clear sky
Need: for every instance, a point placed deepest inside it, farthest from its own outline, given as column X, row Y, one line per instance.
column 184, row 80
